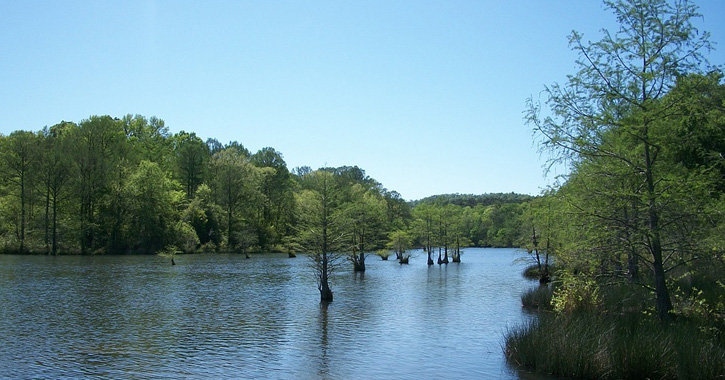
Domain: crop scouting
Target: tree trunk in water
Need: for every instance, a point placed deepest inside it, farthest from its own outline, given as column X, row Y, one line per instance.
column 325, row 291
column 429, row 249
column 326, row 294
column 324, row 285
column 360, row 267
column 457, row 252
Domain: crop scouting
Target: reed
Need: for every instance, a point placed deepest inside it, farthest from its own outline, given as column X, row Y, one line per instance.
column 592, row 346
column 538, row 298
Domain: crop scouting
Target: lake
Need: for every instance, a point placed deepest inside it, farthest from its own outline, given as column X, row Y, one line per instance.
column 224, row 316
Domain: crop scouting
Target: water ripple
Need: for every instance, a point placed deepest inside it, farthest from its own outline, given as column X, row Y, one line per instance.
column 221, row 316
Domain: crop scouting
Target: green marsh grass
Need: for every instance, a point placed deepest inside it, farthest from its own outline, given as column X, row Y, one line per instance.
column 593, row 346
column 538, row 298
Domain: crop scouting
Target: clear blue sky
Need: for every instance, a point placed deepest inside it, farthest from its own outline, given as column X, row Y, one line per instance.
column 425, row 96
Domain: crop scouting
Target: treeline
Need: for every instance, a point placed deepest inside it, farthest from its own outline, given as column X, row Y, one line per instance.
column 116, row 186
column 473, row 200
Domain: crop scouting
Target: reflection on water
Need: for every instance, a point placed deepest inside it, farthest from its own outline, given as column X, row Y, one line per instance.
column 221, row 316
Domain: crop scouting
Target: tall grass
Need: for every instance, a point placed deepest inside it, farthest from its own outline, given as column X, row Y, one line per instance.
column 538, row 298
column 592, row 346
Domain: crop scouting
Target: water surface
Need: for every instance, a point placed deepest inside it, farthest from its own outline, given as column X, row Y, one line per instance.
column 221, row 316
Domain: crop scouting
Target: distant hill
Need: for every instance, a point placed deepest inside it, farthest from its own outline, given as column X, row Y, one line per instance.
column 472, row 200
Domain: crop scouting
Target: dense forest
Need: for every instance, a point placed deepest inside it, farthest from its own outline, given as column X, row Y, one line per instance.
column 129, row 186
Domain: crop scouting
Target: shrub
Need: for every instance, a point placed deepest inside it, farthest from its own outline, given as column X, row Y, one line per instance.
column 577, row 293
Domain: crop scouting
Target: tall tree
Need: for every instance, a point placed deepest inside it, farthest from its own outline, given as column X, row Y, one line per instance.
column 54, row 173
column 97, row 145
column 425, row 228
column 17, row 155
column 205, row 217
column 192, row 156
column 364, row 216
column 237, row 187
column 154, row 208
column 319, row 230
column 620, row 88
column 276, row 212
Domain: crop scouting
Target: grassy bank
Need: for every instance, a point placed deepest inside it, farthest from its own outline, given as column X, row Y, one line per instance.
column 592, row 346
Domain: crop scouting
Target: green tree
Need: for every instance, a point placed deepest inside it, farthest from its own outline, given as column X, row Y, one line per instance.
column 275, row 215
column 96, row 148
column 236, row 185
column 149, row 140
column 154, row 210
column 400, row 241
column 538, row 232
column 54, row 174
column 364, row 217
column 606, row 114
column 424, row 228
column 320, row 232
column 205, row 217
column 192, row 156
column 17, row 156
column 398, row 210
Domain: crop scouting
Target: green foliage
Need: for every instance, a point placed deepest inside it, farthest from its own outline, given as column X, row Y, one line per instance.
column 321, row 228
column 274, row 221
column 191, row 156
column 577, row 293
column 640, row 127
column 154, row 201
column 236, row 188
column 205, row 217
